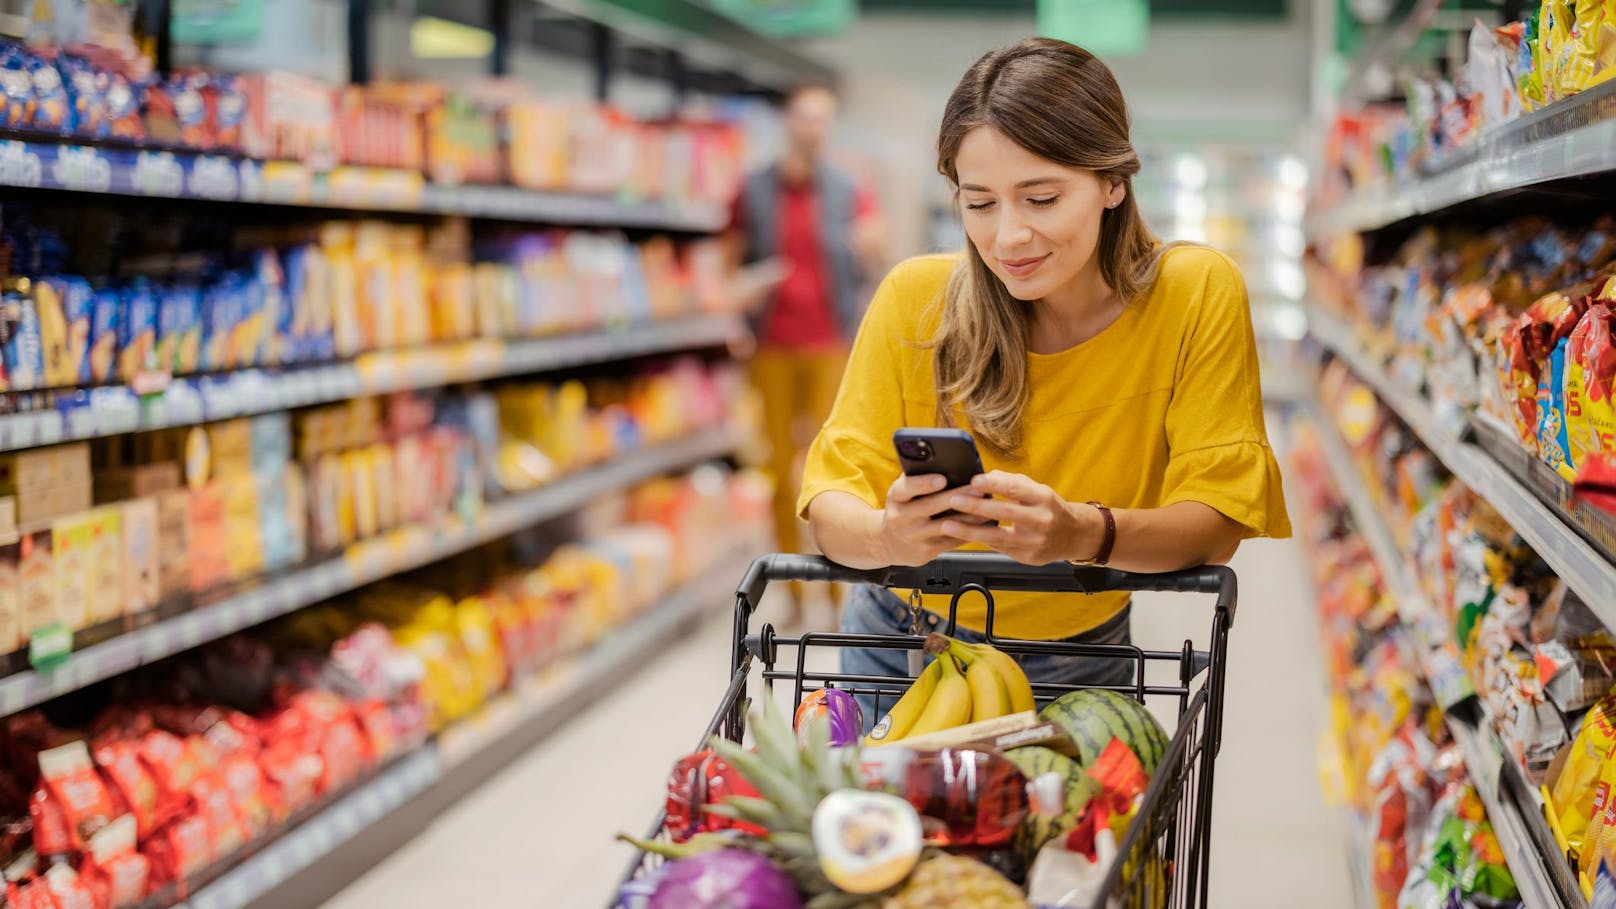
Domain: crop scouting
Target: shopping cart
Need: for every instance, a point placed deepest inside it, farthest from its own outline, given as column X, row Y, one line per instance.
column 1171, row 830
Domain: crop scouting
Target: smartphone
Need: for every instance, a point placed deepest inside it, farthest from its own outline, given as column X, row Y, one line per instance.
column 950, row 452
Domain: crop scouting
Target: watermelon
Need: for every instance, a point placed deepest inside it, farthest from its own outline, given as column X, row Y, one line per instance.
column 1078, row 787
column 1093, row 717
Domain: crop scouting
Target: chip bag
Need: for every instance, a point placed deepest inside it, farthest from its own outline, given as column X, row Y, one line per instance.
column 1552, row 445
column 1573, row 794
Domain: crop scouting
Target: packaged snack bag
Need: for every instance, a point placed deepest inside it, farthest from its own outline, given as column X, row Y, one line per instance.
column 1552, row 445
column 115, row 872
column 51, row 106
column 100, row 366
column 131, row 784
column 123, row 108
column 16, row 88
column 87, row 89
column 24, row 349
column 68, row 773
column 137, row 336
column 1573, row 792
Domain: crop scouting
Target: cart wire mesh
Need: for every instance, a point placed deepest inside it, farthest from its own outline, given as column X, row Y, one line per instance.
column 1164, row 858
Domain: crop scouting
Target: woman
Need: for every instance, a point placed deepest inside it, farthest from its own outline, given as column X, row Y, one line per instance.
column 1111, row 383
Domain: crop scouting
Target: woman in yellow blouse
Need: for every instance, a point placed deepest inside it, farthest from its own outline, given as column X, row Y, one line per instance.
column 1111, row 382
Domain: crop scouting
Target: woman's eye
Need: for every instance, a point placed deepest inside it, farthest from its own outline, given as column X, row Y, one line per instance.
column 978, row 206
column 1044, row 203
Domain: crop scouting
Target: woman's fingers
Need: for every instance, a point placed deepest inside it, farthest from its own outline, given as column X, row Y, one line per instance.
column 989, row 509
column 907, row 488
column 1008, row 485
column 985, row 534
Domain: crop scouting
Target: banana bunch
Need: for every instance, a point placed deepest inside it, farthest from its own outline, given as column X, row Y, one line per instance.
column 965, row 683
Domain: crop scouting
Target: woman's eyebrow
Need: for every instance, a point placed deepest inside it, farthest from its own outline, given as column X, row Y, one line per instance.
column 1035, row 181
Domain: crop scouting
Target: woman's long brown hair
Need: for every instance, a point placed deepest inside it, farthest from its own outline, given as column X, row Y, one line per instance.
column 1061, row 103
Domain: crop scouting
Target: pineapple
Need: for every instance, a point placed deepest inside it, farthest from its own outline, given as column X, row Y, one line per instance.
column 790, row 781
column 955, row 882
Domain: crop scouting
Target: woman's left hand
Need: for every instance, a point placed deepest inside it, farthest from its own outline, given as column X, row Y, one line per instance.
column 1042, row 526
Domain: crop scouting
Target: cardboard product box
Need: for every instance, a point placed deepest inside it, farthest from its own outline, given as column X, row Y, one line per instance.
column 231, row 445
column 36, row 469
column 106, row 565
column 120, row 483
column 271, row 442
column 297, row 513
column 36, row 582
column 45, row 505
column 73, row 546
column 205, row 531
column 142, row 590
column 11, row 627
column 173, row 544
column 244, row 548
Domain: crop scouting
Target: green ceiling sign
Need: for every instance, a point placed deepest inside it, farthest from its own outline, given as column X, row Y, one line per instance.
column 791, row 18
column 1106, row 28
column 216, row 21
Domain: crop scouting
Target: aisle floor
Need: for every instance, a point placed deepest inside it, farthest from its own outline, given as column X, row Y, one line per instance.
column 539, row 834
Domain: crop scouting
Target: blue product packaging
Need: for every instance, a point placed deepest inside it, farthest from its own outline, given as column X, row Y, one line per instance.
column 215, row 324
column 24, row 349
column 16, row 88
column 271, row 442
column 271, row 286
column 251, row 329
column 64, row 306
column 137, row 335
column 1553, row 443
column 51, row 108
column 106, row 311
column 86, row 97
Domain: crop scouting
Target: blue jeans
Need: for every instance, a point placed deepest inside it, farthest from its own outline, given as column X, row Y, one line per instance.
column 877, row 610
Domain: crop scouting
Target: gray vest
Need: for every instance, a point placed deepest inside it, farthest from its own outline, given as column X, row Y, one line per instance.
column 836, row 197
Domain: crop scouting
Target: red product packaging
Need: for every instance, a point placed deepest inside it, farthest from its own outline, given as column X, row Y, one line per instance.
column 59, row 888
column 699, row 780
column 173, row 765
column 116, row 874
column 1596, row 483
column 293, row 775
column 250, row 791
column 131, row 784
column 179, row 851
column 376, row 721
column 216, row 803
column 52, row 835
column 68, row 772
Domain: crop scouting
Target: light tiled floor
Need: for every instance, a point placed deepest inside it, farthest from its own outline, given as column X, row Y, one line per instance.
column 539, row 834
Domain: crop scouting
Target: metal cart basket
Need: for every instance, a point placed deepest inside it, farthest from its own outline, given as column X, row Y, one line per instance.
column 1168, row 842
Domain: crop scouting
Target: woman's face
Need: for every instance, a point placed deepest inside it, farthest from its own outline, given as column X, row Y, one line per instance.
column 1034, row 222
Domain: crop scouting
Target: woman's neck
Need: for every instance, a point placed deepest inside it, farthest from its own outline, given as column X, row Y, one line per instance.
column 1073, row 314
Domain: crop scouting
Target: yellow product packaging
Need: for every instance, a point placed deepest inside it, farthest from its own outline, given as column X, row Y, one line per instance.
column 479, row 635
column 346, row 513
column 386, row 489
column 1573, row 794
column 409, row 282
column 106, row 565
column 453, row 300
column 347, row 333
column 72, row 539
column 362, row 477
column 1578, row 54
column 1597, row 814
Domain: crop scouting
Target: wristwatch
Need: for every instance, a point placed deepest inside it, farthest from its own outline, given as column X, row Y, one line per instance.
column 1107, row 542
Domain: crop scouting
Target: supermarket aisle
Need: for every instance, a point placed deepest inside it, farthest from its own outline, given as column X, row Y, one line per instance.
column 539, row 834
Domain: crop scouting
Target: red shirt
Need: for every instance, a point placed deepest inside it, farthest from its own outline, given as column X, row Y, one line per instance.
column 802, row 314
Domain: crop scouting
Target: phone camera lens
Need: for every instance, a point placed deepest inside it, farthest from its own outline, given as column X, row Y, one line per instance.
column 922, row 449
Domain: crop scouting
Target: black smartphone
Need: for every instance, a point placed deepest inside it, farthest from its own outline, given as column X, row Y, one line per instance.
column 950, row 452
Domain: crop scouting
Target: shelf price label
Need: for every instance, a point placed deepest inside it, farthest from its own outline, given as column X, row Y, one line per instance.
column 49, row 647
column 214, row 177
column 20, row 165
column 83, row 169
column 158, row 173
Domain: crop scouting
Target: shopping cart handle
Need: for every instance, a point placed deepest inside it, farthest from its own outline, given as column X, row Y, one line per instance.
column 953, row 572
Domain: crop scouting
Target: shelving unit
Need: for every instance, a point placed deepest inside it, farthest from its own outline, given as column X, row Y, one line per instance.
column 1483, row 754
column 364, row 563
column 1572, row 138
column 114, row 410
column 47, row 164
column 1572, row 558
column 538, row 702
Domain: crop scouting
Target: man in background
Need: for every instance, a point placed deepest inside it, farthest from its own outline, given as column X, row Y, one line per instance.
column 811, row 235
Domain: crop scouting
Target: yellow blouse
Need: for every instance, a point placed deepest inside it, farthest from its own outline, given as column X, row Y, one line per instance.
column 1163, row 406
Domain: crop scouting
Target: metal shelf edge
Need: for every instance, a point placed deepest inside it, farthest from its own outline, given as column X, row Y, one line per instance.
column 1525, row 863
column 319, row 582
column 314, row 385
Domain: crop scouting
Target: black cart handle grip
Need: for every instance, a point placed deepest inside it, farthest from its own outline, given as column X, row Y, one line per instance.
column 954, row 571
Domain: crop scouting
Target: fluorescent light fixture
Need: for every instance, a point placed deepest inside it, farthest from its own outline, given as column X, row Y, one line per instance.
column 432, row 38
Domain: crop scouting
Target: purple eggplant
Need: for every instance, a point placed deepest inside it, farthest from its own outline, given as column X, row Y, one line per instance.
column 835, row 707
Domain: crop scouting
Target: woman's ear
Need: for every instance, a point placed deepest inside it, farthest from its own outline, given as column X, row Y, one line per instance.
column 1116, row 192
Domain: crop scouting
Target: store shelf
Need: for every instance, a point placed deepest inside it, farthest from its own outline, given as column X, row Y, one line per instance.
column 64, row 166
column 1484, row 757
column 536, row 705
column 300, row 847
column 362, row 564
column 116, row 410
column 1573, row 138
column 1576, row 561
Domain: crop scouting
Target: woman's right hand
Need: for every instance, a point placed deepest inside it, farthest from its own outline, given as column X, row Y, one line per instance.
column 911, row 534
